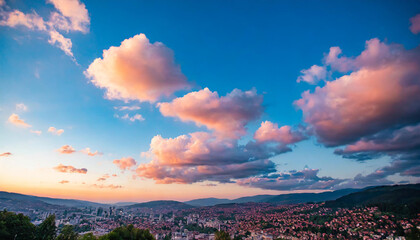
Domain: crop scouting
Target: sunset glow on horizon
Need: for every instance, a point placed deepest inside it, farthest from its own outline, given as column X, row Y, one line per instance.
column 134, row 101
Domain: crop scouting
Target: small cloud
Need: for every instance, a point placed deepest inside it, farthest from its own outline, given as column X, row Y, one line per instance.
column 313, row 75
column 88, row 152
column 63, row 182
column 5, row 154
column 37, row 132
column 127, row 108
column 125, row 163
column 21, row 107
column 69, row 169
column 14, row 119
column 55, row 131
column 136, row 117
column 103, row 178
column 112, row 186
column 415, row 24
column 66, row 149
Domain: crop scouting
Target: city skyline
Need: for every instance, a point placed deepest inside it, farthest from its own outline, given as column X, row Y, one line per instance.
column 141, row 101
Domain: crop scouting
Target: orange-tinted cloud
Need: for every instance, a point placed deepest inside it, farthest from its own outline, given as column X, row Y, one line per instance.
column 14, row 119
column 66, row 149
column 37, row 132
column 381, row 92
column 88, row 152
column 228, row 115
column 202, row 156
column 270, row 132
column 125, row 163
column 55, row 131
column 415, row 24
column 112, row 186
column 69, row 169
column 63, row 182
column 5, row 154
column 137, row 70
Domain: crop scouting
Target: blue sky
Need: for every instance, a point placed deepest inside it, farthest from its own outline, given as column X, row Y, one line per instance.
column 220, row 45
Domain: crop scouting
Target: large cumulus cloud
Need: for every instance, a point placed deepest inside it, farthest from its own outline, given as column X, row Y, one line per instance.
column 204, row 156
column 228, row 115
column 381, row 92
column 137, row 70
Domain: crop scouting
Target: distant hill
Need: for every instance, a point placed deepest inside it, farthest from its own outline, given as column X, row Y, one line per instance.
column 399, row 199
column 123, row 204
column 292, row 198
column 257, row 198
column 158, row 205
column 202, row 202
column 54, row 201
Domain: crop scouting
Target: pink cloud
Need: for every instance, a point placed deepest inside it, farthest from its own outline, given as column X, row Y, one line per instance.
column 66, row 149
column 74, row 16
column 313, row 75
column 69, row 169
column 228, row 115
column 14, row 119
column 380, row 93
column 37, row 132
column 55, row 131
column 5, row 154
column 112, row 186
column 103, row 178
column 270, row 132
column 17, row 18
column 415, row 24
column 137, row 70
column 202, row 156
column 125, row 163
column 88, row 152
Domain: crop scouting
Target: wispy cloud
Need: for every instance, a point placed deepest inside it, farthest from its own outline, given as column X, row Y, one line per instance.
column 55, row 131
column 90, row 153
column 16, row 120
column 69, row 169
column 5, row 154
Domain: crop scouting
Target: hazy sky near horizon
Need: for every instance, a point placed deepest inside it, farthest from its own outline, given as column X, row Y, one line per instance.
column 145, row 100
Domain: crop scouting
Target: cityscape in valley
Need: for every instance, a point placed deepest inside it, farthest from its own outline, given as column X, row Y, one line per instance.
column 387, row 212
column 209, row 120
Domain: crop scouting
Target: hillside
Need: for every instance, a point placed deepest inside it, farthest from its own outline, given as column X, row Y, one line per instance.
column 54, row 201
column 157, row 205
column 202, row 202
column 399, row 199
